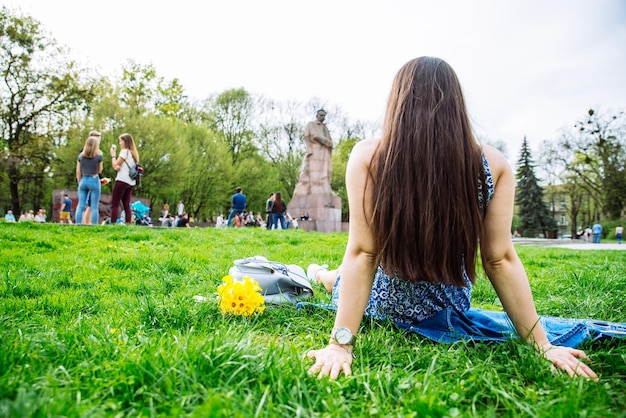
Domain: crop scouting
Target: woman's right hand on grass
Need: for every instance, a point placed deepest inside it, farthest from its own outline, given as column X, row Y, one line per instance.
column 331, row 361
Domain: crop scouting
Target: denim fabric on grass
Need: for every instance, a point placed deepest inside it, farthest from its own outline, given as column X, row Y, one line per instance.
column 450, row 325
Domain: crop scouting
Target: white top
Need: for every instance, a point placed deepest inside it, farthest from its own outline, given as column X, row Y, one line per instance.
column 122, row 175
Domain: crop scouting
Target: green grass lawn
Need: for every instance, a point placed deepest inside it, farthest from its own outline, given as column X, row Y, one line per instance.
column 101, row 321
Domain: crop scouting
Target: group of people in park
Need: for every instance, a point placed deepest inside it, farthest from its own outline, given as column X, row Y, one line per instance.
column 89, row 167
column 275, row 213
column 180, row 219
column 594, row 233
column 89, row 180
column 238, row 217
column 27, row 216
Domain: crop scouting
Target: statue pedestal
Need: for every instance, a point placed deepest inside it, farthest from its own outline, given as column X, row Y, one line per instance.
column 324, row 211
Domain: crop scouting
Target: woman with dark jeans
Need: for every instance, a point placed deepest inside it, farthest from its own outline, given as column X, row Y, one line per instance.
column 124, row 185
column 279, row 211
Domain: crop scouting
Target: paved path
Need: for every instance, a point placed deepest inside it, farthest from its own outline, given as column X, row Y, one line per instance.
column 573, row 244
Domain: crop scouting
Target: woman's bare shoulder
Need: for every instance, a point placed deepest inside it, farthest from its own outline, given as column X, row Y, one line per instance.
column 364, row 150
column 497, row 162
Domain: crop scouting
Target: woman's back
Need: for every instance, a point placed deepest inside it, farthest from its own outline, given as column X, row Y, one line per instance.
column 278, row 206
column 360, row 186
column 427, row 167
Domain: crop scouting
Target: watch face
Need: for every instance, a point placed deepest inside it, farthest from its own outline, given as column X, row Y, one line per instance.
column 343, row 335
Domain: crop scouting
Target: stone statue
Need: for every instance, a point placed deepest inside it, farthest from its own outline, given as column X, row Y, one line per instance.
column 313, row 195
column 316, row 169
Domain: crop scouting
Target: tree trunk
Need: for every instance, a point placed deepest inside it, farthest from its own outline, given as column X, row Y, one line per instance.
column 15, row 197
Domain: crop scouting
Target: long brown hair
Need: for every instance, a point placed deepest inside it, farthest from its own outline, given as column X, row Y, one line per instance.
column 129, row 143
column 92, row 147
column 426, row 217
column 279, row 204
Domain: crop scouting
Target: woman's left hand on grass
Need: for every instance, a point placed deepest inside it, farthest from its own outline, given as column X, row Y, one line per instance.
column 569, row 360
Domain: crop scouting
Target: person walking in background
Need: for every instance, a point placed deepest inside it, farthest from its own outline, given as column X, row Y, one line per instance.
column 269, row 208
column 597, row 232
column 88, row 169
column 428, row 166
column 65, row 215
column 619, row 231
column 238, row 205
column 279, row 211
column 180, row 208
column 124, row 185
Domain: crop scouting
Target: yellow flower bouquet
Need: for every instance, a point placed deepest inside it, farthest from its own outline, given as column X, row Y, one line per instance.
column 240, row 297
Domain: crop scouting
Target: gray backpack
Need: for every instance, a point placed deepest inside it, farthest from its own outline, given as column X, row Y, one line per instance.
column 280, row 283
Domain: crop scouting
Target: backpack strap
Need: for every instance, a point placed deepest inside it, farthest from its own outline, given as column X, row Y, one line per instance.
column 128, row 165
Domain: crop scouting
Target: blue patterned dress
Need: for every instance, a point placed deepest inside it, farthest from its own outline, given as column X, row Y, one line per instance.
column 411, row 302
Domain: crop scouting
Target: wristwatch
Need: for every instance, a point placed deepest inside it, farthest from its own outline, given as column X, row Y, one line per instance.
column 343, row 336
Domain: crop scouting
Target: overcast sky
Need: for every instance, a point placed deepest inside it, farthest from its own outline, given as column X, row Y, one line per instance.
column 528, row 68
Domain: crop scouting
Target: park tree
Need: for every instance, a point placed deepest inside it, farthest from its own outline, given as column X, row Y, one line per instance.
column 230, row 115
column 149, row 106
column 258, row 178
column 40, row 88
column 143, row 91
column 206, row 186
column 595, row 152
column 137, row 88
column 565, row 188
column 340, row 156
column 534, row 215
column 280, row 134
column 171, row 100
column 101, row 115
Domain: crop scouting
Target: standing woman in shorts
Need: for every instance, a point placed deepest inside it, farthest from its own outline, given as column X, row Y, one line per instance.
column 124, row 185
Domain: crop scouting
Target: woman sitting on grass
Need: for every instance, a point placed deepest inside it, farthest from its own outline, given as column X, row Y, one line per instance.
column 421, row 201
